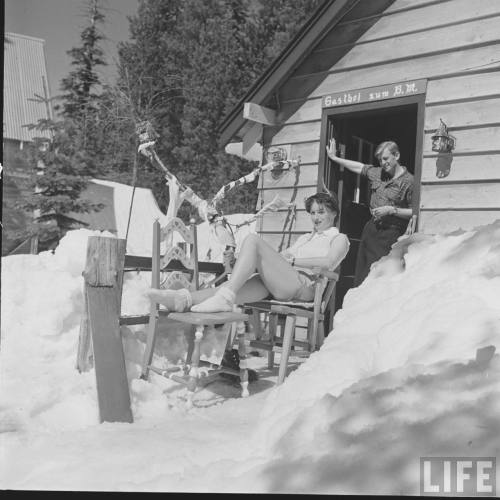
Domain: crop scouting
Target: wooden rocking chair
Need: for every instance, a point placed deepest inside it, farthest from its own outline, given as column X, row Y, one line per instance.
column 284, row 315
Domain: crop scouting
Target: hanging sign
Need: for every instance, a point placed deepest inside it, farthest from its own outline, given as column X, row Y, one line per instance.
column 372, row 94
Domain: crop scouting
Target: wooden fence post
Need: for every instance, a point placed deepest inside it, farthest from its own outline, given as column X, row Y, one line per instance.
column 103, row 276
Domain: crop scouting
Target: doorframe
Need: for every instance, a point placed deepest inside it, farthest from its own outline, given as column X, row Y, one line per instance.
column 418, row 99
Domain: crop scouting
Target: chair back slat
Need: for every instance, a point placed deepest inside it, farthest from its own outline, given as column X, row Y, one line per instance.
column 178, row 252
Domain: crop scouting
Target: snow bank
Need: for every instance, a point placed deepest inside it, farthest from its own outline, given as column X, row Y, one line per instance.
column 394, row 381
column 432, row 298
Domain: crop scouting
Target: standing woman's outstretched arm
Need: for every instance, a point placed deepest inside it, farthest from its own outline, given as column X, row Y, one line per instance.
column 353, row 166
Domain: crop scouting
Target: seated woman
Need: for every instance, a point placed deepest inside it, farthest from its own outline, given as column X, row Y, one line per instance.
column 277, row 273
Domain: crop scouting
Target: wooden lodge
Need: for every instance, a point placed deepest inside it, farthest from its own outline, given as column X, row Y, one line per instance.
column 365, row 71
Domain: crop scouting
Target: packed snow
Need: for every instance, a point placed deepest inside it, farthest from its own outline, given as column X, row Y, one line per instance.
column 396, row 379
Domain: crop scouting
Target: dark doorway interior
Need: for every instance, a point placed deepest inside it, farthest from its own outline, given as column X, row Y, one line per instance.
column 358, row 133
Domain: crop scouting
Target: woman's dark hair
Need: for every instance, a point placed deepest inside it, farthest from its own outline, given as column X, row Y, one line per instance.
column 328, row 200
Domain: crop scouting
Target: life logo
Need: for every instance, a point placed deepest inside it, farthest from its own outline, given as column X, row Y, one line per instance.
column 458, row 476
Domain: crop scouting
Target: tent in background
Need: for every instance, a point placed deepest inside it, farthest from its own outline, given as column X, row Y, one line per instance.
column 117, row 199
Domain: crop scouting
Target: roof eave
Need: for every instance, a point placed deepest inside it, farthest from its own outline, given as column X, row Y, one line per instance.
column 327, row 15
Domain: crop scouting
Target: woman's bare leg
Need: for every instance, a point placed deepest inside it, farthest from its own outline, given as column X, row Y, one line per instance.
column 252, row 290
column 277, row 276
column 177, row 300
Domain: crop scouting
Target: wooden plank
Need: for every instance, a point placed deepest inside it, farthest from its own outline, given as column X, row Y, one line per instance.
column 297, row 132
column 83, row 356
column 308, row 151
column 251, row 137
column 100, row 267
column 288, row 195
column 109, row 361
column 464, row 168
column 275, row 221
column 415, row 44
column 405, row 4
column 349, row 31
column 301, row 111
column 365, row 10
column 482, row 112
column 466, row 195
column 308, row 174
column 287, row 346
column 103, row 284
column 203, row 319
column 436, row 66
column 259, row 114
column 136, row 262
column 152, row 328
column 352, row 44
column 469, row 140
column 463, row 87
column 430, row 16
column 431, row 222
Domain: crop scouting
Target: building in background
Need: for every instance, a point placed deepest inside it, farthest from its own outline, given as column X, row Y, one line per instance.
column 26, row 99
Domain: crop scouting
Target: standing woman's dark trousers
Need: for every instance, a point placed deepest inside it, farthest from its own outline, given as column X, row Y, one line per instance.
column 376, row 241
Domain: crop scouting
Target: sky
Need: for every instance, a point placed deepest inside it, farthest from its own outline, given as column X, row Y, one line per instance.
column 59, row 23
column 407, row 372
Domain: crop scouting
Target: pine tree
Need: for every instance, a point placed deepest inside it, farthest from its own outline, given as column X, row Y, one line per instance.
column 57, row 183
column 187, row 64
column 149, row 85
column 63, row 164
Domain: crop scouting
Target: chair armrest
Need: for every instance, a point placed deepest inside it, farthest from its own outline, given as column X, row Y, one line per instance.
column 325, row 272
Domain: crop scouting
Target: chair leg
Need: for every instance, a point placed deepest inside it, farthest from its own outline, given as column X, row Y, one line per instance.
column 321, row 333
column 257, row 328
column 195, row 361
column 242, row 352
column 287, row 344
column 150, row 342
column 273, row 325
column 313, row 339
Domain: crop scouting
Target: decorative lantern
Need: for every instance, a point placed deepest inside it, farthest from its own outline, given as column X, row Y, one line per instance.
column 276, row 154
column 442, row 141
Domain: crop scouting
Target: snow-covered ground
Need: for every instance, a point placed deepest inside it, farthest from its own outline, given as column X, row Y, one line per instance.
column 394, row 381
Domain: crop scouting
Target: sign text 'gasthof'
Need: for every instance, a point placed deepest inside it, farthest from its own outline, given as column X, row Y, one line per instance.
column 372, row 94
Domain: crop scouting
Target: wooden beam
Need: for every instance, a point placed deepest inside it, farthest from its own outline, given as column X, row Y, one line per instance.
column 142, row 263
column 323, row 19
column 260, row 114
column 251, row 137
column 103, row 278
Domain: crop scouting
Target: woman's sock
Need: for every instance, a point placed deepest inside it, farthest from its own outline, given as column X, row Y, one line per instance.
column 221, row 301
column 174, row 300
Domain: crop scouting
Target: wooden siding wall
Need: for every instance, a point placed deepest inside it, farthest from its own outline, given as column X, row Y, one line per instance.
column 455, row 44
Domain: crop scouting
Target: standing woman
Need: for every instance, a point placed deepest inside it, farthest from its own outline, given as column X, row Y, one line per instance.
column 391, row 188
column 260, row 271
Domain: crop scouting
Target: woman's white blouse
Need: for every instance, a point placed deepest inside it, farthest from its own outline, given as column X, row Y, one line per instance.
column 315, row 244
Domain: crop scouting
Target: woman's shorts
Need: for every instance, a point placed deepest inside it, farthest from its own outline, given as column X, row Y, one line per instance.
column 305, row 293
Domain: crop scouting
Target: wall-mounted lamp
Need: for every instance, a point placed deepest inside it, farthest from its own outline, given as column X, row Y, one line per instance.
column 275, row 153
column 442, row 141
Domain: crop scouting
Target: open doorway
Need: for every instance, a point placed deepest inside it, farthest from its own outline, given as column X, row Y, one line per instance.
column 358, row 129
